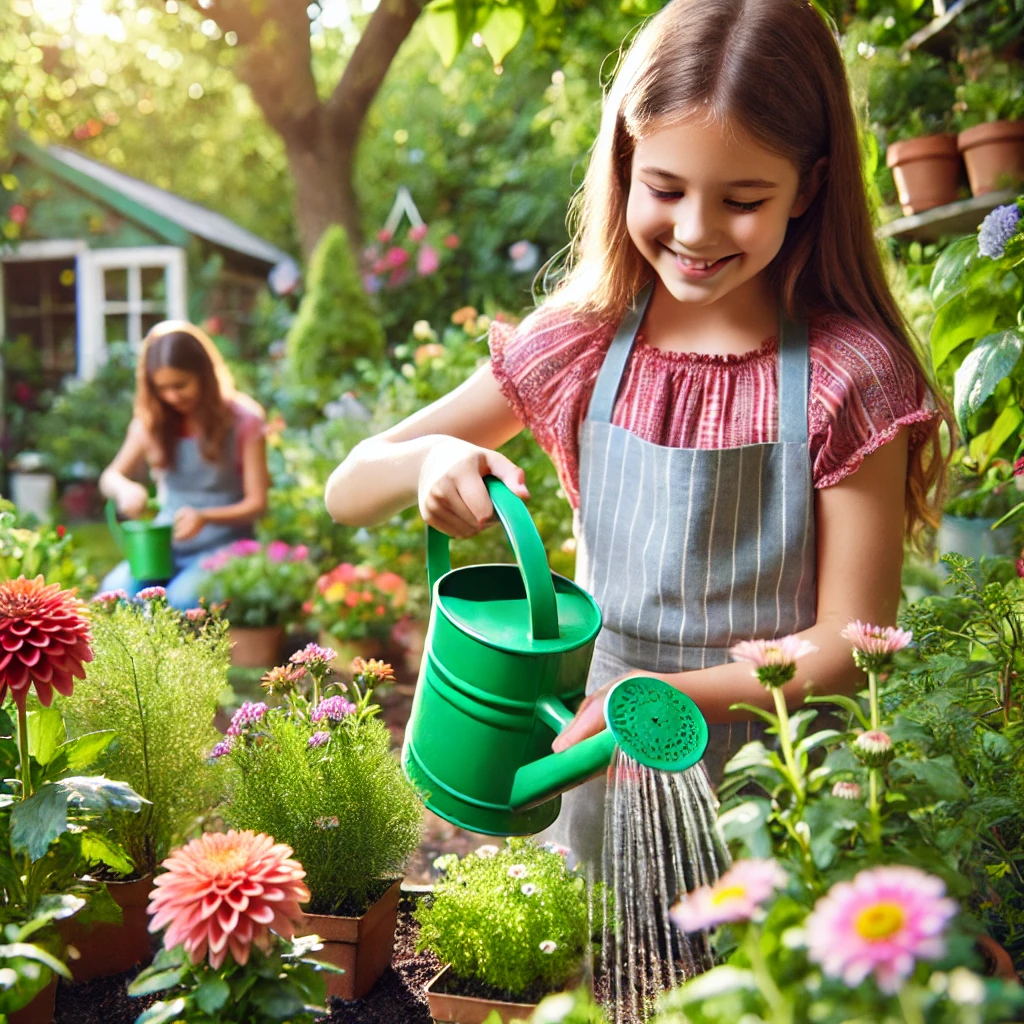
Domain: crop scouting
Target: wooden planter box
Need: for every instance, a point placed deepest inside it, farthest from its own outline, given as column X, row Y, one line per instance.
column 452, row 1009
column 360, row 946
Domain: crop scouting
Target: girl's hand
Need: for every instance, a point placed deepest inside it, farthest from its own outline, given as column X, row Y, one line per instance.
column 453, row 497
column 588, row 721
column 187, row 523
column 131, row 499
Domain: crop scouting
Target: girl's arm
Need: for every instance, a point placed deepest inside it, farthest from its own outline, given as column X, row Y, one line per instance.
column 189, row 521
column 859, row 523
column 437, row 458
column 115, row 481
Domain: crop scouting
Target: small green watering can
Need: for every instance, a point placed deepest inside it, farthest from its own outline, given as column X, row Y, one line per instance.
column 507, row 653
column 146, row 546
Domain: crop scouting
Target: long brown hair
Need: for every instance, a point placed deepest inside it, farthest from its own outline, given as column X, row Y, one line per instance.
column 183, row 346
column 775, row 67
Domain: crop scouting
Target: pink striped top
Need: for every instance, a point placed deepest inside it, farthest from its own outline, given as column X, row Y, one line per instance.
column 861, row 392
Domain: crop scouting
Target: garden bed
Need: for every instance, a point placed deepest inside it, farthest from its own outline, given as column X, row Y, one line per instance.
column 398, row 997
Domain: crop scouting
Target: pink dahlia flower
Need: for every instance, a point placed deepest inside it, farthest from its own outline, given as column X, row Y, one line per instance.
column 44, row 639
column 882, row 922
column 774, row 661
column 227, row 891
column 874, row 646
column 736, row 896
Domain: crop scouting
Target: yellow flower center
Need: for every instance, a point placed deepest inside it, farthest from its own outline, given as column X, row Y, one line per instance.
column 730, row 892
column 879, row 921
column 226, row 862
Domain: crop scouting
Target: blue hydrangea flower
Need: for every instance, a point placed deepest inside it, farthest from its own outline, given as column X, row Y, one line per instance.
column 997, row 229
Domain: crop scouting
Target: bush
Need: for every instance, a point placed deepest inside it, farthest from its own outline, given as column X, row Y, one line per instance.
column 335, row 324
column 513, row 918
column 43, row 550
column 155, row 679
column 326, row 783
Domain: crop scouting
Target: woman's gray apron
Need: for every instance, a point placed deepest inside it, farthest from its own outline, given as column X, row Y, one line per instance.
column 688, row 550
column 199, row 484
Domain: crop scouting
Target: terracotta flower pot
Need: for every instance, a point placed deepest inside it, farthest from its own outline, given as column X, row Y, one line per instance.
column 452, row 1009
column 361, row 946
column 40, row 1010
column 994, row 155
column 1000, row 963
column 256, row 648
column 109, row 949
column 926, row 171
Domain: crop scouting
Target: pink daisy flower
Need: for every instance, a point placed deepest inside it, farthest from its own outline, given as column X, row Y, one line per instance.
column 882, row 922
column 774, row 661
column 874, row 646
column 736, row 896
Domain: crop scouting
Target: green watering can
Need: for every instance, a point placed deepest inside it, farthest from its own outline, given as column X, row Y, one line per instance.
column 505, row 665
column 146, row 546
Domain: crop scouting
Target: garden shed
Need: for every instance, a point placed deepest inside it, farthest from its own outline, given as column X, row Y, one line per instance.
column 102, row 256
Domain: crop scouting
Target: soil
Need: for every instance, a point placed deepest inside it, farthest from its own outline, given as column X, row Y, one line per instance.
column 453, row 985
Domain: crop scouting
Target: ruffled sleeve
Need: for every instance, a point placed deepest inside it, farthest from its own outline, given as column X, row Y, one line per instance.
column 862, row 394
column 546, row 367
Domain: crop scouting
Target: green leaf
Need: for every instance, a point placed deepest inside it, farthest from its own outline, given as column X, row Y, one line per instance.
column 147, row 983
column 747, row 823
column 816, row 739
column 442, row 25
column 278, row 1001
column 963, row 319
column 546, row 7
column 761, row 713
column 992, row 359
column 951, row 266
column 99, row 793
column 45, row 733
column 984, row 447
column 939, row 774
column 848, row 703
column 33, row 952
column 502, row 30
column 99, row 849
column 212, row 995
column 82, row 753
column 163, row 1013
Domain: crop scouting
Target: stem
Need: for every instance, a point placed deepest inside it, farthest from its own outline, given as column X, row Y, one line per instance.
column 24, row 758
column 787, row 744
column 873, row 807
column 778, row 1005
column 873, row 698
column 909, row 1006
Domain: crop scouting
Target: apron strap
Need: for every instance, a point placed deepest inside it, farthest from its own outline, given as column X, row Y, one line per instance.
column 794, row 378
column 606, row 388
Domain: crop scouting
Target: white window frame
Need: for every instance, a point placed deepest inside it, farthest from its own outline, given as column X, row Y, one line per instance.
column 94, row 308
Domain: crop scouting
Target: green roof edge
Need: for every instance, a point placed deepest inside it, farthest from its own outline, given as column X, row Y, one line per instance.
column 164, row 228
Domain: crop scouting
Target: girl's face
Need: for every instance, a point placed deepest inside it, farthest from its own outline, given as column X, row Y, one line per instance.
column 708, row 207
column 177, row 388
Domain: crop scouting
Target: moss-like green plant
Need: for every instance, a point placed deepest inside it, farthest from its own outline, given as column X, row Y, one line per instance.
column 155, row 679
column 511, row 918
column 336, row 323
column 320, row 776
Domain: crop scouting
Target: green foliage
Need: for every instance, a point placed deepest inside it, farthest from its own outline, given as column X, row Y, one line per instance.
column 335, row 324
column 995, row 92
column 909, row 94
column 345, row 808
column 282, row 985
column 262, row 585
column 155, row 679
column 39, row 550
column 494, row 913
column 29, row 951
column 577, row 1007
column 86, row 421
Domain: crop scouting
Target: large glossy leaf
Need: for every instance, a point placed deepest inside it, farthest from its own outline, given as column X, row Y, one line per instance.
column 45, row 733
column 79, row 754
column 747, row 823
column 984, row 447
column 29, row 951
column 949, row 273
column 162, row 1013
column 939, row 774
column 502, row 30
column 99, row 849
column 156, row 981
column 962, row 319
column 991, row 360
column 444, row 29
column 212, row 994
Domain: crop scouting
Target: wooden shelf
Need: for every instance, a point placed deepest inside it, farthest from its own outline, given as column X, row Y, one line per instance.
column 959, row 218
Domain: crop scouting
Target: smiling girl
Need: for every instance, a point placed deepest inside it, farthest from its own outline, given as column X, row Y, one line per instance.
column 722, row 379
column 203, row 441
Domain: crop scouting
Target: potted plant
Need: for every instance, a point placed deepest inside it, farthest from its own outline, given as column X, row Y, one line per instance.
column 155, row 679
column 33, row 484
column 229, row 956
column 41, row 550
column 910, row 98
column 356, row 607
column 511, row 925
column 264, row 587
column 52, row 819
column 990, row 120
column 318, row 773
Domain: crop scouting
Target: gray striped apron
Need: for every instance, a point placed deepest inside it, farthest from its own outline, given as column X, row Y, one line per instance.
column 689, row 550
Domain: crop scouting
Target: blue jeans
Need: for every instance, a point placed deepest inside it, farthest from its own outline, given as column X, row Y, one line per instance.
column 184, row 589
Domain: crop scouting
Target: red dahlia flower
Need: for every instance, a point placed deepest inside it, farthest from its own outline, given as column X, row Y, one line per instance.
column 44, row 639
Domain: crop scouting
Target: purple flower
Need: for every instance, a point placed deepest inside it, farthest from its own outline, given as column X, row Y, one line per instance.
column 313, row 654
column 997, row 229
column 334, row 709
column 222, row 748
column 109, row 597
column 151, row 594
column 319, row 739
column 248, row 714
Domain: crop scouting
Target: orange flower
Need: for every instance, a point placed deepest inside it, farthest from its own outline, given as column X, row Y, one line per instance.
column 464, row 315
column 44, row 639
column 225, row 892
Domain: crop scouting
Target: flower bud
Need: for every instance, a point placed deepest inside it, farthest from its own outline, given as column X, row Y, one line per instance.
column 846, row 790
column 873, row 748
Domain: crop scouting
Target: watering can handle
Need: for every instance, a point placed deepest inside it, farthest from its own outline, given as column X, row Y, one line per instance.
column 115, row 526
column 528, row 549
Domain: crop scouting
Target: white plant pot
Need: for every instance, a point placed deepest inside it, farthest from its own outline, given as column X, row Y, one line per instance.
column 33, row 492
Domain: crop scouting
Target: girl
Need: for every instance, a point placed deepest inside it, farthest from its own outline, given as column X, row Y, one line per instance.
column 722, row 378
column 204, row 443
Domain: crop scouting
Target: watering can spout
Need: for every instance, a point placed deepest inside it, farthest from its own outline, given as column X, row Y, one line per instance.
column 652, row 722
